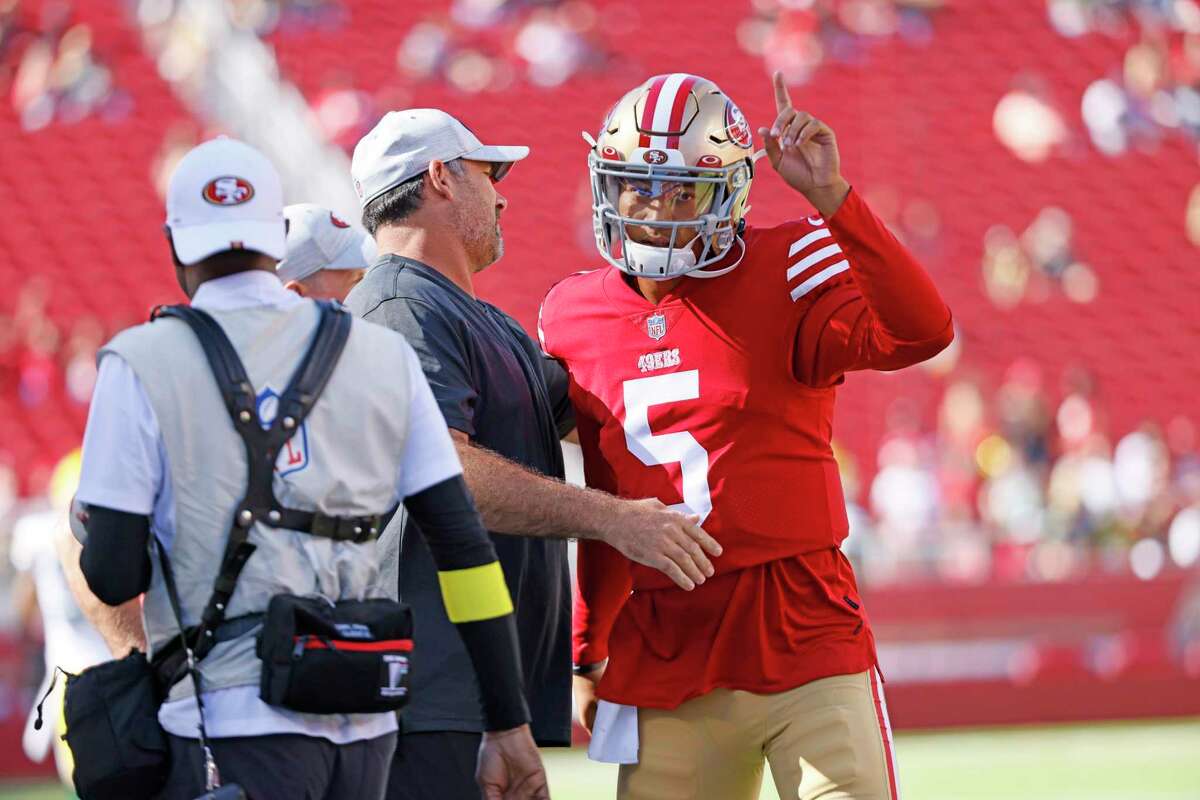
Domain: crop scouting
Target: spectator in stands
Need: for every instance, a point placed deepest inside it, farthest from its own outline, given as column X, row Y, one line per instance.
column 78, row 358
column 471, row 50
column 796, row 38
column 265, row 17
column 61, row 78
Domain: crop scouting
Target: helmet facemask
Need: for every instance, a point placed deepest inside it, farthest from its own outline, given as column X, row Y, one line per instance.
column 694, row 228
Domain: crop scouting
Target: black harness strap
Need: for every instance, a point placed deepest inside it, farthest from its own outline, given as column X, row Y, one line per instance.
column 262, row 450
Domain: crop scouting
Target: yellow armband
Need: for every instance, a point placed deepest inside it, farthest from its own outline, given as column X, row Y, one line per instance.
column 475, row 593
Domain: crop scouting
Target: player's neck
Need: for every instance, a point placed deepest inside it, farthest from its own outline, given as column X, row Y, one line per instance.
column 654, row 291
column 442, row 253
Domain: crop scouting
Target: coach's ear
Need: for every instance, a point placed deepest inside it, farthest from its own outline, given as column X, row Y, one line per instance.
column 297, row 287
column 438, row 179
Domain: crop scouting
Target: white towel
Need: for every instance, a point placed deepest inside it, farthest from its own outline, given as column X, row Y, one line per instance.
column 614, row 734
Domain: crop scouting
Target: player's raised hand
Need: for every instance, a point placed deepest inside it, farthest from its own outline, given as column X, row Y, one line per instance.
column 509, row 767
column 650, row 533
column 802, row 148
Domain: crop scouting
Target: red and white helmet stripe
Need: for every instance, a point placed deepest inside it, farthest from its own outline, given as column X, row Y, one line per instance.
column 665, row 105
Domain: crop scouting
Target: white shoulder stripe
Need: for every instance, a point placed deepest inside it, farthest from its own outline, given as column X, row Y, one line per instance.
column 812, row 260
column 808, row 239
column 819, row 278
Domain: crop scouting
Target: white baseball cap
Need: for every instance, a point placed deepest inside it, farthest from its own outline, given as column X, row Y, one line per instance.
column 225, row 195
column 318, row 239
column 402, row 144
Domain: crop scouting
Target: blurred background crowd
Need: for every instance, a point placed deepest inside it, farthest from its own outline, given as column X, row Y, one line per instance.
column 1041, row 157
column 1014, row 468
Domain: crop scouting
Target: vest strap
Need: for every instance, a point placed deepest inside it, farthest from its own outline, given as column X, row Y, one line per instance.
column 263, row 444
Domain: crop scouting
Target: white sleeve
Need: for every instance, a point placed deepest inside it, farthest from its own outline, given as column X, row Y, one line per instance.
column 429, row 455
column 122, row 446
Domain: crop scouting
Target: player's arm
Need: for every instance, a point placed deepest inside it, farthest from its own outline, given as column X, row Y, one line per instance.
column 557, row 385
column 605, row 582
column 889, row 315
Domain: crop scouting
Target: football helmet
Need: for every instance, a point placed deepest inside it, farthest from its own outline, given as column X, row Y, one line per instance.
column 673, row 162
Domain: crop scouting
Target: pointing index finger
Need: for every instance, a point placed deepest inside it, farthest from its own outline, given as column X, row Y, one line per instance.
column 782, row 99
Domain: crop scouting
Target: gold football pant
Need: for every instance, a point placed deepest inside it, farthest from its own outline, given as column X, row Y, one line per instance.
column 827, row 740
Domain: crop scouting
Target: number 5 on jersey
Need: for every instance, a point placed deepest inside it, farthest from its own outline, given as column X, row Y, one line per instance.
column 666, row 448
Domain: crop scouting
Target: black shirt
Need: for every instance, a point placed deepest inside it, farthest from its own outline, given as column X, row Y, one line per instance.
column 493, row 384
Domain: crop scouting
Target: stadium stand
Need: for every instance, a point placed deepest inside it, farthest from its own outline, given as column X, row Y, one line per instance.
column 1042, row 157
column 977, row 130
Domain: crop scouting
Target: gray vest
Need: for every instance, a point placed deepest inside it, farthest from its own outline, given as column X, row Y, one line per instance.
column 343, row 461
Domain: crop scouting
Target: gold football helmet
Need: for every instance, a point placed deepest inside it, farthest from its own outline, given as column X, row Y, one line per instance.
column 673, row 165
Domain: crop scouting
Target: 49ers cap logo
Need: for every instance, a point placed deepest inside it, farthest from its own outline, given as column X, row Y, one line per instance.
column 228, row 191
column 337, row 223
column 654, row 157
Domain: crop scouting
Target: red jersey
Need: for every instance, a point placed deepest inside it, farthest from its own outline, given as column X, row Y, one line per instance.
column 719, row 401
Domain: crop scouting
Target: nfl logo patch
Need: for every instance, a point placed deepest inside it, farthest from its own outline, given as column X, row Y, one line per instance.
column 656, row 326
column 294, row 455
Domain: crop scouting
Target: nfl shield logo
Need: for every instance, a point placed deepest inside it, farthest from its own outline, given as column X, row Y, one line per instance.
column 294, row 455
column 656, row 326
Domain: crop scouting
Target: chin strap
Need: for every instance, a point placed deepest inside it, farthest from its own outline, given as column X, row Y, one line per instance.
column 716, row 273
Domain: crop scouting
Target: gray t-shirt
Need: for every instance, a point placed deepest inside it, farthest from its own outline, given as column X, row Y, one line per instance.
column 493, row 384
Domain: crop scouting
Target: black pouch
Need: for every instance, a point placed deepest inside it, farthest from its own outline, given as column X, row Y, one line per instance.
column 346, row 658
column 120, row 750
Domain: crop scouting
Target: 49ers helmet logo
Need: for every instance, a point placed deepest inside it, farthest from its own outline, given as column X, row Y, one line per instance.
column 736, row 126
column 654, row 157
column 228, row 191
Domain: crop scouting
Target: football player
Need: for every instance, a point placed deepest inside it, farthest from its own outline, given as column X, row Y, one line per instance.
column 704, row 363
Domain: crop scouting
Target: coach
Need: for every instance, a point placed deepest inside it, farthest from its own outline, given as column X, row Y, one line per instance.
column 427, row 187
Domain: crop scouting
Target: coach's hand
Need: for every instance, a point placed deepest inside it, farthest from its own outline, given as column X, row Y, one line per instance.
column 650, row 533
column 586, row 703
column 510, row 768
column 804, row 151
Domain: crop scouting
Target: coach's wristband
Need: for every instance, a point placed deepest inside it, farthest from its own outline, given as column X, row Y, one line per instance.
column 588, row 669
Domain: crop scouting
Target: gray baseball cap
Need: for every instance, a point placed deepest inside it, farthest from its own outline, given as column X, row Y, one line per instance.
column 402, row 144
column 317, row 239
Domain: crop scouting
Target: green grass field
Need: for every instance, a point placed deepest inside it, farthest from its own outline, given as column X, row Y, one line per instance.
column 1127, row 761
